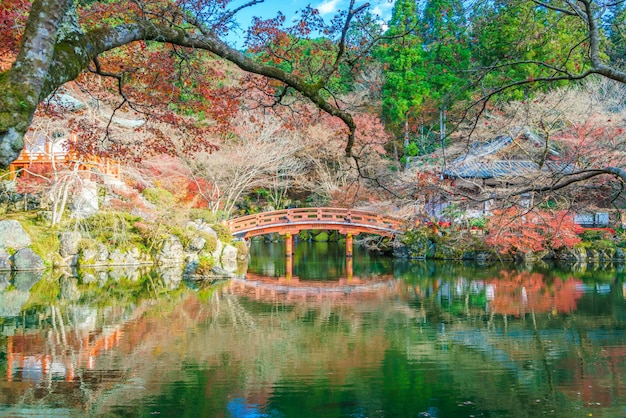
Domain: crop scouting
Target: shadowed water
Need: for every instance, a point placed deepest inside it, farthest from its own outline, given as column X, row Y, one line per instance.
column 386, row 339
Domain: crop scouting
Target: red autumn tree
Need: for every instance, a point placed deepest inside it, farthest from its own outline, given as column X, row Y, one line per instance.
column 515, row 230
column 157, row 56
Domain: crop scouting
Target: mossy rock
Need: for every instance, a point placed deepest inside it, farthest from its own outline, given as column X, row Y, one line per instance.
column 223, row 232
column 334, row 236
column 321, row 237
column 242, row 249
column 211, row 242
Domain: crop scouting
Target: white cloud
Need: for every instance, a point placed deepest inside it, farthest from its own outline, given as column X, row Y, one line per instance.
column 328, row 6
column 382, row 9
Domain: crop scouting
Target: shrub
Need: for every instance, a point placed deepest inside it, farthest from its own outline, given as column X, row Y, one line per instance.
column 223, row 232
column 211, row 242
column 159, row 197
column 517, row 231
column 242, row 248
column 204, row 214
column 477, row 222
column 593, row 235
column 205, row 265
column 111, row 228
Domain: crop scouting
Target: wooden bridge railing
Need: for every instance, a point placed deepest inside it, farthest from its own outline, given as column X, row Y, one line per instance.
column 289, row 220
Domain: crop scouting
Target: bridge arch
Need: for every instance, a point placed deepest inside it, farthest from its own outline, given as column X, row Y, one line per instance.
column 292, row 221
column 289, row 222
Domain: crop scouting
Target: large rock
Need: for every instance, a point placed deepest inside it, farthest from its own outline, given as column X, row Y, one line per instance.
column 171, row 252
column 97, row 255
column 69, row 243
column 197, row 244
column 85, row 202
column 26, row 259
column 5, row 260
column 129, row 258
column 24, row 280
column 12, row 235
column 65, row 102
column 217, row 254
column 229, row 253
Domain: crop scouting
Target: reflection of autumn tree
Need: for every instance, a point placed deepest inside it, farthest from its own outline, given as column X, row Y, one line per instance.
column 518, row 293
column 220, row 342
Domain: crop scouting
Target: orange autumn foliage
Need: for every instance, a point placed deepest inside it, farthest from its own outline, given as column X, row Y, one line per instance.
column 526, row 292
column 515, row 230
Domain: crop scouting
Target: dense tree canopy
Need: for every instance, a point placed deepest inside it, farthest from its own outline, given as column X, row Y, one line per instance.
column 159, row 55
column 60, row 41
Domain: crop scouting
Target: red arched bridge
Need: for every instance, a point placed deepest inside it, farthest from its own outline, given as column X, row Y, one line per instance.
column 289, row 222
column 292, row 221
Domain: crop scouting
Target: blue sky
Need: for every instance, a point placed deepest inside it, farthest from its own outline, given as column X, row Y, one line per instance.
column 327, row 9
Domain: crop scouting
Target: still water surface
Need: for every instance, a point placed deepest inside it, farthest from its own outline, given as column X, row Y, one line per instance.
column 371, row 338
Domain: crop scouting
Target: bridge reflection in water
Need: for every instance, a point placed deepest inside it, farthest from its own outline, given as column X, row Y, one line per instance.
column 288, row 222
column 283, row 289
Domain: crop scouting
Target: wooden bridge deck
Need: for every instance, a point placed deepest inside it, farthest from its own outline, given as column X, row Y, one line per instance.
column 295, row 220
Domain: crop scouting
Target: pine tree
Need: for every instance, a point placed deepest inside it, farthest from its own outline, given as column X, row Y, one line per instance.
column 402, row 57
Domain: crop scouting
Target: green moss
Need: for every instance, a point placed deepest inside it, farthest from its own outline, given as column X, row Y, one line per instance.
column 205, row 265
column 242, row 248
column 321, row 237
column 203, row 214
column 211, row 242
column 223, row 232
column 159, row 197
column 184, row 235
column 112, row 228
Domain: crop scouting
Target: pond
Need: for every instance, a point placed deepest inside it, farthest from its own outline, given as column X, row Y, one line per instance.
column 320, row 336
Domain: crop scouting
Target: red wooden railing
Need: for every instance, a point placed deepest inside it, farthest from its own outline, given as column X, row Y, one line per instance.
column 294, row 220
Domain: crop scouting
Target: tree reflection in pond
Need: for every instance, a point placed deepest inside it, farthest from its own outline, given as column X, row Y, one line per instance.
column 448, row 341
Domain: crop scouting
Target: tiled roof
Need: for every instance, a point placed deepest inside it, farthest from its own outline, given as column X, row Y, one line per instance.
column 479, row 163
column 502, row 168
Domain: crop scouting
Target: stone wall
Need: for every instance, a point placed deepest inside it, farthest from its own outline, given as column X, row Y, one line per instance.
column 75, row 250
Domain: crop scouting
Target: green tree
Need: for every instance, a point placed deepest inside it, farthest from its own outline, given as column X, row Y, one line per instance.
column 404, row 88
column 447, row 60
column 617, row 33
column 518, row 42
column 446, row 43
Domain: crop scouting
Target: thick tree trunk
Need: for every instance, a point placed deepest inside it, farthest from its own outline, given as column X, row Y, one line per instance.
column 23, row 85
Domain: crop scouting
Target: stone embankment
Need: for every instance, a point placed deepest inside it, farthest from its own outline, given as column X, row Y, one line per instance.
column 75, row 250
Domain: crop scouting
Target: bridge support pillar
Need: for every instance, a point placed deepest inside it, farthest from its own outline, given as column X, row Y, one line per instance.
column 349, row 268
column 288, row 244
column 349, row 245
column 288, row 268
